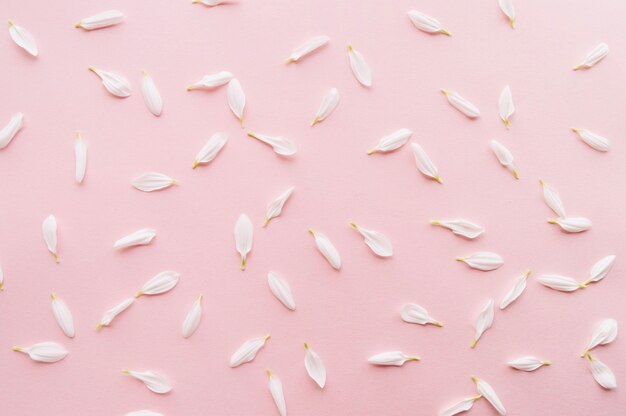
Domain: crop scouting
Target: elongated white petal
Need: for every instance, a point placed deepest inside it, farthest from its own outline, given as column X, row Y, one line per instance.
column 484, row 321
column 63, row 316
column 49, row 228
column 80, row 150
column 394, row 141
column 276, row 389
column 23, row 38
column 561, row 283
column 426, row 23
column 594, row 56
column 424, row 164
column 307, row 47
column 210, row 150
column 9, row 131
column 505, row 103
column 45, row 352
column 572, row 224
column 396, row 358
column 327, row 249
column 151, row 95
column 109, row 315
column 505, row 157
column 236, row 99
column 601, row 269
column 602, row 373
column 281, row 145
column 462, row 406
column 161, row 283
column 138, row 238
column 244, row 234
column 483, row 260
column 280, row 288
column 415, row 314
column 212, row 81
column 380, row 244
column 461, row 227
column 114, row 83
column 490, row 394
column 154, row 381
column 509, row 10
column 595, row 141
column 276, row 206
column 605, row 333
column 461, row 104
column 192, row 321
column 552, row 199
column 248, row 351
column 210, row 3
column 100, row 20
column 152, row 181
column 360, row 68
column 314, row 366
column 528, row 363
column 329, row 103
column 516, row 290
column 143, row 413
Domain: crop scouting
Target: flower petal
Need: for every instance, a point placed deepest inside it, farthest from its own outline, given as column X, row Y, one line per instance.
column 210, row 150
column 23, row 38
column 80, row 151
column 561, row 283
column 394, row 141
column 426, row 23
column 212, row 81
column 490, row 394
column 314, row 366
column 152, row 181
column 484, row 321
column 154, row 381
column 328, row 250
column 45, row 352
column 280, row 288
column 602, row 373
column 138, row 238
column 415, row 314
column 380, row 245
column 483, row 260
column 161, row 283
column 595, row 141
column 461, row 227
column 236, row 99
column 244, row 234
column 247, row 351
column 9, row 131
column 424, row 164
column 192, row 320
column 114, row 83
column 100, row 20
column 396, row 358
column 63, row 316
column 109, row 315
column 505, row 157
column 281, row 145
column 307, row 47
column 275, row 208
column 49, row 228
column 276, row 389
column 329, row 103
column 516, row 290
column 509, row 10
column 605, row 333
column 151, row 95
column 360, row 68
column 461, row 104
column 594, row 56
column 528, row 363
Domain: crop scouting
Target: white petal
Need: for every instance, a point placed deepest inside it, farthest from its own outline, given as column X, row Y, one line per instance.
column 23, row 38
column 461, row 227
column 314, row 366
column 572, row 224
column 49, row 228
column 152, row 181
column 307, row 47
column 604, row 334
column 601, row 269
column 276, row 206
column 415, row 314
column 505, row 104
column 100, row 20
column 153, row 381
column 489, row 393
column 280, row 288
column 151, row 95
column 244, row 233
column 462, row 406
column 528, row 363
column 461, row 104
column 138, row 238
column 508, row 10
column 114, row 83
column 236, row 99
column 1, row 279
column 516, row 290
column 505, row 157
column 394, row 141
column 396, row 358
column 360, row 68
column 9, row 131
column 552, row 199
column 376, row 241
column 424, row 164
column 210, row 150
column 248, row 351
column 46, row 352
column 63, row 316
column 276, row 389
column 483, row 260
column 109, row 315
column 562, row 283
column 329, row 103
column 210, row 3
column 484, row 321
column 594, row 140
column 212, row 81
column 192, row 321
column 602, row 373
column 594, row 56
column 80, row 150
column 426, row 23
column 161, row 283
column 327, row 249
column 143, row 413
column 281, row 145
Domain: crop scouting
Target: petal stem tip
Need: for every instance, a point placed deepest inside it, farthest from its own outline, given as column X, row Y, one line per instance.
column 474, row 342
column 92, row 69
column 371, row 151
column 444, row 91
column 507, row 123
column 552, row 221
column 53, row 296
column 125, row 372
column 477, row 397
column 438, row 179
column 241, row 122
column 17, row 349
column 515, row 174
column 268, row 336
column 266, row 221
column 314, row 122
column 546, row 362
column 10, row 22
column 56, row 257
column 475, row 379
column 460, row 259
column 527, row 274
column 584, row 354
column 189, row 87
column 289, row 60
column 306, row 346
column 269, row 373
column 350, row 49
column 438, row 324
column 575, row 130
column 413, row 359
column 99, row 327
column 435, row 222
column 312, row 231
column 78, row 24
column 445, row 32
column 251, row 134
column 512, row 23
column 542, row 182
column 243, row 263
column 194, row 164
column 353, row 225
column 139, row 294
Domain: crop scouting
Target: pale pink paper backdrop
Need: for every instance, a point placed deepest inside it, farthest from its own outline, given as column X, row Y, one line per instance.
column 345, row 316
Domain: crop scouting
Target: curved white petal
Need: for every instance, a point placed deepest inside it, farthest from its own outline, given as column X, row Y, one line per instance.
column 461, row 104
column 276, row 206
column 595, row 141
column 80, row 151
column 192, row 320
column 328, row 250
column 561, row 283
column 605, row 333
column 45, row 352
column 516, row 290
column 161, row 283
column 396, row 358
column 236, row 99
column 276, row 389
column 528, row 363
column 601, row 269
column 210, row 3
column 244, row 234
column 280, row 288
column 109, row 315
column 379, row 243
column 100, row 20
column 49, row 228
column 594, row 56
column 415, row 314
column 360, row 68
column 462, row 406
column 151, row 95
column 138, row 238
column 307, row 47
column 329, row 103
column 314, row 366
column 573, row 224
column 602, row 373
column 426, row 23
column 483, row 260
column 461, row 227
column 247, row 351
column 210, row 150
column 424, row 164
column 391, row 142
column 63, row 316
column 509, row 10
column 9, row 131
column 490, row 394
column 23, row 38
column 114, row 83
column 152, row 181
column 505, row 157
column 281, row 145
column 212, row 81
column 154, row 381
column 505, row 105
column 552, row 199
column 484, row 321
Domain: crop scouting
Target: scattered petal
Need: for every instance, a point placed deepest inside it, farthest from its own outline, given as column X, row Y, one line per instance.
column 1, row 279
column 595, row 141
column 461, row 104
column 244, row 233
column 528, row 363
column 236, row 99
column 572, row 224
column 602, row 373
column 489, row 393
column 151, row 95
column 561, row 283
column 281, row 145
column 210, row 3
column 192, row 321
column 109, row 315
column 276, row 389
column 100, row 20
column 9, row 131
column 424, row 164
column 483, row 260
column 380, row 245
column 23, row 38
column 462, row 406
column 63, row 316
column 45, row 352
column 604, row 334
column 394, row 141
column 212, row 81
column 210, row 150
column 248, row 351
column 506, row 106
column 307, row 47
column 49, row 228
column 484, row 322
column 461, row 227
column 516, row 290
column 327, row 249
column 161, row 283
column 276, row 206
column 426, row 23
column 360, row 68
column 329, row 103
column 509, row 10
column 152, row 181
column 505, row 157
column 552, row 199
column 600, row 269
column 138, row 238
column 280, row 288
column 80, row 150
column 314, row 366
column 594, row 56
column 396, row 358
column 114, row 83
column 415, row 314
column 154, row 381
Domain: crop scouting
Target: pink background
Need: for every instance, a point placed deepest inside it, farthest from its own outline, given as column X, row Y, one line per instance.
column 346, row 316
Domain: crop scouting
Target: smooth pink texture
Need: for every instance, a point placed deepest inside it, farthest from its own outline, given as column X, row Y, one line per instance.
column 345, row 316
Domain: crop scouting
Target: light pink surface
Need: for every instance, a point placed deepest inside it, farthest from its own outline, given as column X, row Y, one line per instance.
column 345, row 316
